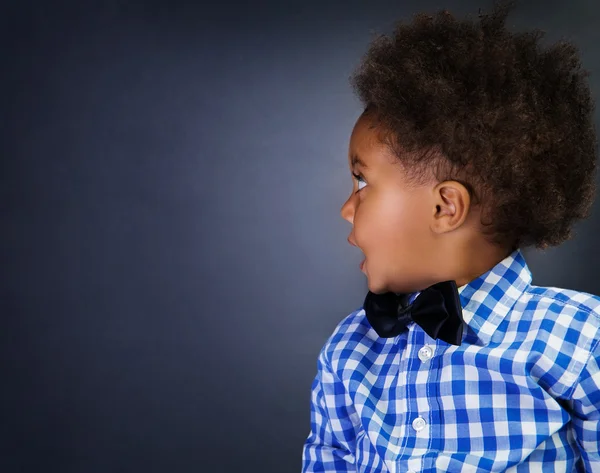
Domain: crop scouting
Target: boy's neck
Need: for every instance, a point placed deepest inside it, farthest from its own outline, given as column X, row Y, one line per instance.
column 477, row 260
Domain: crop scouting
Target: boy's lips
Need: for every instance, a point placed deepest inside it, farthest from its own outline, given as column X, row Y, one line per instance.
column 362, row 263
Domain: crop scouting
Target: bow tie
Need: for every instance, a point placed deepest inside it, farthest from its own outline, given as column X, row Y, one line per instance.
column 436, row 309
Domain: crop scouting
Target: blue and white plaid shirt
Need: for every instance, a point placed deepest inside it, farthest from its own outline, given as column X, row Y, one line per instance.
column 521, row 394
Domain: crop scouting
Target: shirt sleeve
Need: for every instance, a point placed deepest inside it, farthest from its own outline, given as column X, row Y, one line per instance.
column 328, row 446
column 586, row 413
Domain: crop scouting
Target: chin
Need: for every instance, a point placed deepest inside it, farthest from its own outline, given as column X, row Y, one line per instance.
column 381, row 288
column 377, row 288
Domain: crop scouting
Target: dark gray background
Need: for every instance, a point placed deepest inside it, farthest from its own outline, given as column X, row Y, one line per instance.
column 173, row 254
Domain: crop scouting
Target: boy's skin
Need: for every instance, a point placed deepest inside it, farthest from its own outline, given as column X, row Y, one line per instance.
column 412, row 237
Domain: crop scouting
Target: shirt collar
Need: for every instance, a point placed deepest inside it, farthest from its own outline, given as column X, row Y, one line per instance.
column 487, row 299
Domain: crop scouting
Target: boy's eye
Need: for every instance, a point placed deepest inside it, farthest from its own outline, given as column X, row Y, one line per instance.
column 359, row 179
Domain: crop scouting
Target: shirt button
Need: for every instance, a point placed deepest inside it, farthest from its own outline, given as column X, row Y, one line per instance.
column 419, row 424
column 425, row 353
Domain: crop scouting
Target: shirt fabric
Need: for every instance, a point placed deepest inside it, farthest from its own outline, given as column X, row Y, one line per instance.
column 520, row 394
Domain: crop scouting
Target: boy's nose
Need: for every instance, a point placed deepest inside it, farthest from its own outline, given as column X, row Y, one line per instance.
column 347, row 210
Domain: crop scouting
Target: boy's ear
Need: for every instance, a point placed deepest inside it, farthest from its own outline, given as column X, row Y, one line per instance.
column 451, row 206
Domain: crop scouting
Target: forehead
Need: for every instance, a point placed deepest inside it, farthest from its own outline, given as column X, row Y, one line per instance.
column 366, row 147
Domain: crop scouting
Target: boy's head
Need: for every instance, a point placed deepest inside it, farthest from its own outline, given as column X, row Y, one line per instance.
column 476, row 142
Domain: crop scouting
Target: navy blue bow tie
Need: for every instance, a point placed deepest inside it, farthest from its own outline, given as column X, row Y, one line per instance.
column 436, row 309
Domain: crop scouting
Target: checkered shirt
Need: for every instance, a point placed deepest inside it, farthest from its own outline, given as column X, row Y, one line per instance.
column 520, row 394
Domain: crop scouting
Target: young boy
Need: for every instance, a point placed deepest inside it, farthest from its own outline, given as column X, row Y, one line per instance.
column 474, row 143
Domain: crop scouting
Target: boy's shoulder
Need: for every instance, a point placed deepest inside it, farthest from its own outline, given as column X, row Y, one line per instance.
column 556, row 303
column 563, row 320
column 583, row 300
column 352, row 335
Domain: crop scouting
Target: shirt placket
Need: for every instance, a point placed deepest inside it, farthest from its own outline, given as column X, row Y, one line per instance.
column 423, row 414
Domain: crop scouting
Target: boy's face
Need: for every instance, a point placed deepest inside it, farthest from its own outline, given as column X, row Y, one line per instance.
column 391, row 221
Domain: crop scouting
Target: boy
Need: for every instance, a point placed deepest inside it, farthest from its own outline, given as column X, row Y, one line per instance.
column 473, row 144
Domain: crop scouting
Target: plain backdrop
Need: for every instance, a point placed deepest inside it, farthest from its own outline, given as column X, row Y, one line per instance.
column 173, row 255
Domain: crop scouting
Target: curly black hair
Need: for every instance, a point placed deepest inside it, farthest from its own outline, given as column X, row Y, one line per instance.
column 471, row 102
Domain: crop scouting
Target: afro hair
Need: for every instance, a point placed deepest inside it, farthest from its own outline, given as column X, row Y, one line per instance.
column 471, row 102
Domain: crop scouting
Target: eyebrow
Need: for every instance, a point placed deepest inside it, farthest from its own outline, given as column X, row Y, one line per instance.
column 356, row 160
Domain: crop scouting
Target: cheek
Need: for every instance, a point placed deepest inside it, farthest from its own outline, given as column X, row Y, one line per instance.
column 397, row 222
